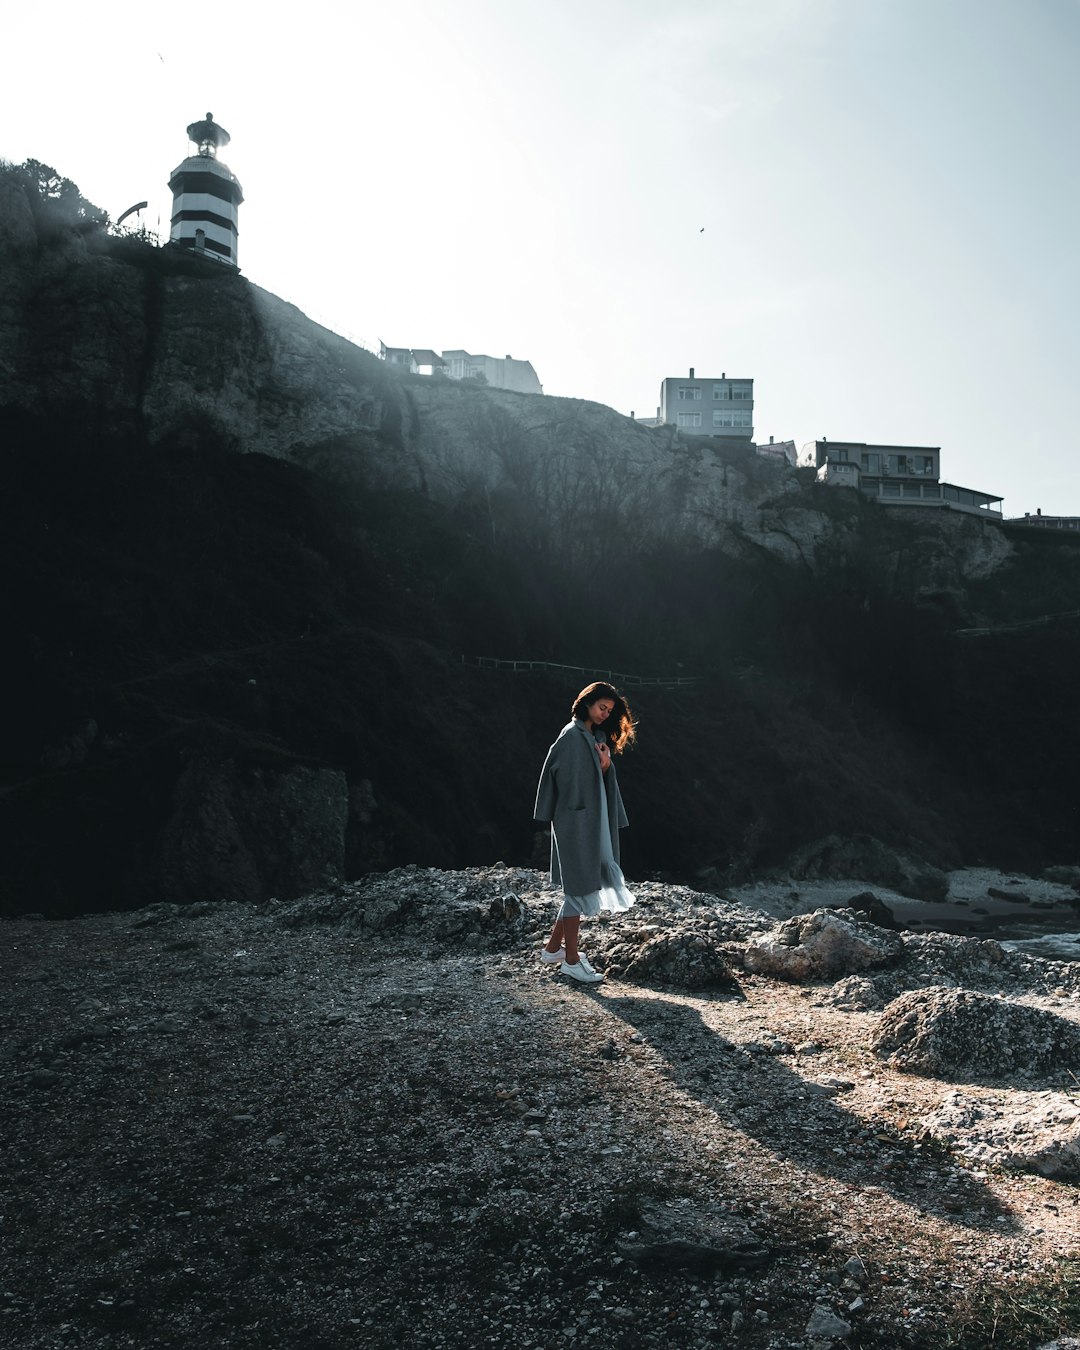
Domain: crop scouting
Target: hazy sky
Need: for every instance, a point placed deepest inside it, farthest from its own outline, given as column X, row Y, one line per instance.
column 869, row 206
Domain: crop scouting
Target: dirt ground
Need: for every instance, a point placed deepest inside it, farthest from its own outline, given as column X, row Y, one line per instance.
column 381, row 1122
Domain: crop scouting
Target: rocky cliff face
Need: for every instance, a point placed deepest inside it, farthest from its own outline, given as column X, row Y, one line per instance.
column 243, row 559
column 187, row 350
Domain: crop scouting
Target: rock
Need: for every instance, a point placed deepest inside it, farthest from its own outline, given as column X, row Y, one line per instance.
column 1063, row 876
column 1028, row 1132
column 958, row 1033
column 684, row 959
column 250, row 831
column 74, row 1039
column 875, row 909
column 825, row 1325
column 703, row 1238
column 855, row 1269
column 869, row 859
column 858, row 993
column 1017, row 897
column 821, row 946
column 505, row 909
column 43, row 1079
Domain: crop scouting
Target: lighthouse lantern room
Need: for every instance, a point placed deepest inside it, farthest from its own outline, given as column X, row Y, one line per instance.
column 206, row 196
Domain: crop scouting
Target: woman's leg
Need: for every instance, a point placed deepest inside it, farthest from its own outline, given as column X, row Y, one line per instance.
column 555, row 941
column 571, row 924
column 565, row 934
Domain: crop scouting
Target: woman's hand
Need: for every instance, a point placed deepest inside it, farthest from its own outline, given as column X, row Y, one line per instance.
column 605, row 755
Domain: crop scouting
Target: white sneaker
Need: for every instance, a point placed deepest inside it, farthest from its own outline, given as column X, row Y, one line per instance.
column 553, row 958
column 581, row 970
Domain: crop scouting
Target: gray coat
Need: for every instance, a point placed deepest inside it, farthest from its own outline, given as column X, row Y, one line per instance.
column 568, row 796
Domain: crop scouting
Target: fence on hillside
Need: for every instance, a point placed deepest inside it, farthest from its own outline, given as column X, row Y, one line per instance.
column 618, row 677
column 1018, row 626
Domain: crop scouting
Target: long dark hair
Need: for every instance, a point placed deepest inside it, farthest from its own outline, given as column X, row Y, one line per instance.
column 620, row 728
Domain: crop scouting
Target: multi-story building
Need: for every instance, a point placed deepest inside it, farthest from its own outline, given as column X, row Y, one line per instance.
column 709, row 407
column 895, row 475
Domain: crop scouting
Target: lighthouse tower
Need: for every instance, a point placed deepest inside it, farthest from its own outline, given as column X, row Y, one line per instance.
column 205, row 196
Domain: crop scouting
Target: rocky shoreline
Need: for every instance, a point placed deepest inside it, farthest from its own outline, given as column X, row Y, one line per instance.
column 368, row 1117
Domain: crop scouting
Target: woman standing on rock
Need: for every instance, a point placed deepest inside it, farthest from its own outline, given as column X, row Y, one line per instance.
column 579, row 795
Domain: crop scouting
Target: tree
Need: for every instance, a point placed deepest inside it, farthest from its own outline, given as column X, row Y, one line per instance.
column 57, row 200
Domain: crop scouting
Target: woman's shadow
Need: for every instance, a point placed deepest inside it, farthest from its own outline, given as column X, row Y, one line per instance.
column 762, row 1097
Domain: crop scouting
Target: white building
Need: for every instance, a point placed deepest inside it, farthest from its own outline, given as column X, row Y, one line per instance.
column 206, row 196
column 894, row 475
column 499, row 372
column 709, row 407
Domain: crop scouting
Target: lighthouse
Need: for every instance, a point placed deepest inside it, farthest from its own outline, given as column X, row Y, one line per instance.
column 206, row 196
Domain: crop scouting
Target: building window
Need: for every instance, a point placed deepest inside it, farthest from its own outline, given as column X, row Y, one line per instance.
column 742, row 391
column 722, row 418
column 689, row 391
column 927, row 462
column 689, row 419
column 898, row 464
column 721, row 391
column 871, row 462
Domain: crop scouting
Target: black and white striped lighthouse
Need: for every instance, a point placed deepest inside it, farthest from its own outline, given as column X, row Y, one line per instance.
column 206, row 196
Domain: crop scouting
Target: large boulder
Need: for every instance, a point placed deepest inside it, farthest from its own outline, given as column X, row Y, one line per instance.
column 870, row 860
column 247, row 832
column 685, row 958
column 824, row 945
column 1027, row 1131
column 959, row 1034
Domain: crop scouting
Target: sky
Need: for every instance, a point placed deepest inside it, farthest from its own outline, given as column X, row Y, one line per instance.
column 870, row 207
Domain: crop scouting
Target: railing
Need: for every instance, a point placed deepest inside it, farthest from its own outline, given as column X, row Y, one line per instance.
column 614, row 676
column 1018, row 625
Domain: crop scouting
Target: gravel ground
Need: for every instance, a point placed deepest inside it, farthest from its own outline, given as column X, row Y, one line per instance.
column 371, row 1118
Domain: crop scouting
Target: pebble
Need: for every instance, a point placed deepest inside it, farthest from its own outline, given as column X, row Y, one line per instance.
column 825, row 1323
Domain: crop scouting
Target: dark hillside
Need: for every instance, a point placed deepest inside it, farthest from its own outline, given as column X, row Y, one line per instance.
column 237, row 673
column 189, row 630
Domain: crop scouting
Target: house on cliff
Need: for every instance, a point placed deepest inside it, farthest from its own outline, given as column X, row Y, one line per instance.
column 895, row 475
column 498, row 372
column 709, row 407
column 1040, row 522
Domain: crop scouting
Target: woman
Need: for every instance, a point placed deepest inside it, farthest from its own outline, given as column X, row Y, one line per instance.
column 579, row 795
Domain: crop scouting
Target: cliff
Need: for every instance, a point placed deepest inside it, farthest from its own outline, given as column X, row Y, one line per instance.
column 243, row 560
column 133, row 338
